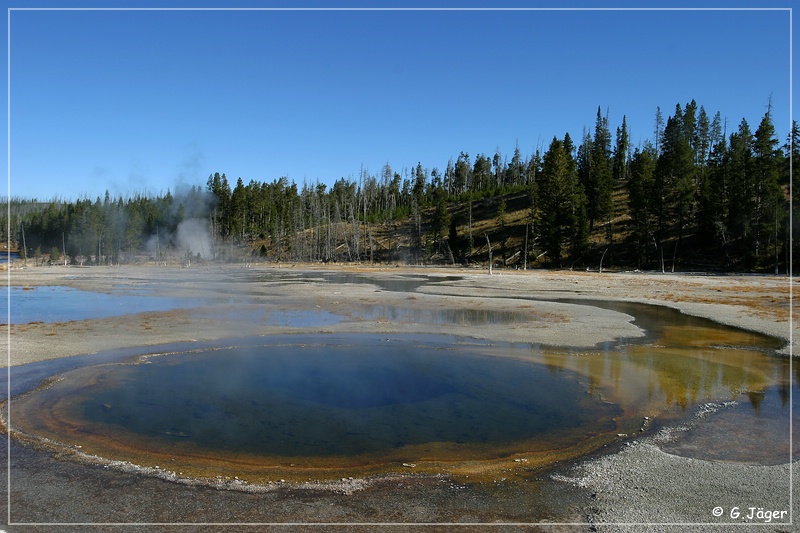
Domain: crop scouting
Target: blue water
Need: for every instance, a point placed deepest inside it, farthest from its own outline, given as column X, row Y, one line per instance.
column 5, row 257
column 62, row 304
column 334, row 399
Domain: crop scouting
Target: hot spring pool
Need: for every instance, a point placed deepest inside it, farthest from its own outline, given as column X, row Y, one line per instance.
column 362, row 401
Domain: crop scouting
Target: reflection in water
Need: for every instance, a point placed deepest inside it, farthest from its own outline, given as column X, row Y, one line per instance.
column 396, row 283
column 756, row 432
column 302, row 318
column 655, row 377
column 660, row 377
column 665, row 323
column 459, row 316
column 683, row 360
column 387, row 283
column 686, row 362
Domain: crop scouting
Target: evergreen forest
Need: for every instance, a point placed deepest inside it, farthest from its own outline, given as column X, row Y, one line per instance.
column 700, row 195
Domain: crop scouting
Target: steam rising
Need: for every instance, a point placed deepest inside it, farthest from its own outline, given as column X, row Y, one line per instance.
column 192, row 237
column 190, row 218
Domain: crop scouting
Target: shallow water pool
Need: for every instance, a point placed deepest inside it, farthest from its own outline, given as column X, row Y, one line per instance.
column 62, row 304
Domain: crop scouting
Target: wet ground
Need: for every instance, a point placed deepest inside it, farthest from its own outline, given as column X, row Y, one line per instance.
column 98, row 495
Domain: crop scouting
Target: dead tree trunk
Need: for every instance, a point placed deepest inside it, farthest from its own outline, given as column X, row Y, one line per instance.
column 490, row 252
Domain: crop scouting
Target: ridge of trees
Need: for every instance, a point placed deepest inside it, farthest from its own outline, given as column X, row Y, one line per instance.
column 695, row 197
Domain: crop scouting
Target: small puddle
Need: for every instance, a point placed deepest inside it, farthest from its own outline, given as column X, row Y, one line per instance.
column 753, row 430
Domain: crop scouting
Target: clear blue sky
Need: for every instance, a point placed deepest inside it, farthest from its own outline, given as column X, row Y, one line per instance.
column 146, row 101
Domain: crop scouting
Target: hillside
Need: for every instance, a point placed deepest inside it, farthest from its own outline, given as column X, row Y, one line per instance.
column 403, row 241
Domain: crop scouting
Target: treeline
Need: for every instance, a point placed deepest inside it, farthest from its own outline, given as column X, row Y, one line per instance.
column 695, row 196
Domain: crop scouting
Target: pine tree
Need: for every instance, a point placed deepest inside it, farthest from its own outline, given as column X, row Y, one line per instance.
column 620, row 167
column 713, row 195
column 218, row 186
column 675, row 177
column 551, row 200
column 441, row 216
column 420, row 177
column 238, row 209
column 621, row 152
column 599, row 183
column 499, row 168
column 579, row 218
column 740, row 198
column 561, row 203
column 703, row 140
column 641, row 202
column 461, row 178
column 792, row 165
column 515, row 172
column 768, row 198
column 533, row 171
column 481, row 173
column 658, row 132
